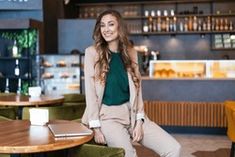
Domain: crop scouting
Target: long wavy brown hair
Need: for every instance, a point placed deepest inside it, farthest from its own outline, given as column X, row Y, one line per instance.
column 104, row 54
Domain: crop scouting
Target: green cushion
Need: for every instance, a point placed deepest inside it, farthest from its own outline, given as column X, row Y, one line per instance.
column 8, row 112
column 70, row 112
column 90, row 150
column 4, row 118
column 74, row 103
column 74, row 97
column 5, row 155
column 3, row 94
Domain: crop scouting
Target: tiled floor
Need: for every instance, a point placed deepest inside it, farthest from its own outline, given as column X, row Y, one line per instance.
column 193, row 143
column 196, row 146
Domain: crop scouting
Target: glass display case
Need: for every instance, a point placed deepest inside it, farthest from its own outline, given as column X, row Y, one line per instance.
column 192, row 69
column 60, row 74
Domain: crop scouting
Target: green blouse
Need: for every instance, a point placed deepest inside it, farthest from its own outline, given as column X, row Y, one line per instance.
column 116, row 90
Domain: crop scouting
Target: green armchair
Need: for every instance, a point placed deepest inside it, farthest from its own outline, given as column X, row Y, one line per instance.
column 72, row 109
column 74, row 99
column 69, row 112
column 7, row 113
column 90, row 150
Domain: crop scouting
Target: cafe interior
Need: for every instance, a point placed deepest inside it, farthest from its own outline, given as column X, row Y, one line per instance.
column 186, row 56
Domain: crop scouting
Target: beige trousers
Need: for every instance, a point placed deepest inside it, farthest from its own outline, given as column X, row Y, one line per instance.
column 115, row 125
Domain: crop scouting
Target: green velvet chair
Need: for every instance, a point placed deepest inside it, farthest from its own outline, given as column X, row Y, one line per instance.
column 7, row 112
column 72, row 109
column 74, row 99
column 64, row 112
column 90, row 150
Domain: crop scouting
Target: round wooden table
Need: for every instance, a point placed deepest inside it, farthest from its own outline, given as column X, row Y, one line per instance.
column 23, row 100
column 18, row 136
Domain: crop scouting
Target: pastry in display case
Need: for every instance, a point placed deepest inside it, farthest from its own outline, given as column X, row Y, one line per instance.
column 47, row 64
column 61, row 63
column 47, row 75
column 192, row 69
column 60, row 74
column 222, row 69
column 177, row 69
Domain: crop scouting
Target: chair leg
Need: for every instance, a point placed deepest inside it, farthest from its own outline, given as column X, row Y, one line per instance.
column 232, row 154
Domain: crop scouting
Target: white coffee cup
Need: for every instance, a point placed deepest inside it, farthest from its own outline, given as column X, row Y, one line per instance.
column 35, row 91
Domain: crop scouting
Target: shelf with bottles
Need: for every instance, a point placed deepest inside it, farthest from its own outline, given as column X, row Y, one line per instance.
column 15, row 68
column 60, row 73
column 16, row 85
column 192, row 69
column 20, row 40
column 163, row 18
column 187, row 23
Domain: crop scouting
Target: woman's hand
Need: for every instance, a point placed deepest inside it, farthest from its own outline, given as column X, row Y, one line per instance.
column 99, row 136
column 138, row 132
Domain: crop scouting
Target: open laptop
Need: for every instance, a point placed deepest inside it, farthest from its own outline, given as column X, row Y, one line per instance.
column 69, row 129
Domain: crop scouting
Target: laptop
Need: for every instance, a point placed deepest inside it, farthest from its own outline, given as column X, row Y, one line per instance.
column 70, row 129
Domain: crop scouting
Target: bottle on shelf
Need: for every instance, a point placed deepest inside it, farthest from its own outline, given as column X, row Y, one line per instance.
column 19, row 86
column 231, row 25
column 17, row 68
column 217, row 26
column 159, row 25
column 208, row 23
column 195, row 25
column 212, row 23
column 15, row 49
column 171, row 25
column 145, row 27
column 190, row 24
column 221, row 24
column 152, row 13
column 150, row 24
column 154, row 25
column 167, row 26
column 199, row 27
column 185, row 24
column 181, row 27
column 7, row 86
column 174, row 24
column 204, row 26
column 226, row 24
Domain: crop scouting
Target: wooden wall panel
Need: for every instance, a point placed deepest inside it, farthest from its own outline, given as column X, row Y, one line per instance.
column 198, row 114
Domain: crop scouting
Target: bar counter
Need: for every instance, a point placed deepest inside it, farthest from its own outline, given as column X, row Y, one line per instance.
column 187, row 102
column 198, row 89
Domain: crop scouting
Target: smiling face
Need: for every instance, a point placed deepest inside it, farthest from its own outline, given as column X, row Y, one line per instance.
column 109, row 28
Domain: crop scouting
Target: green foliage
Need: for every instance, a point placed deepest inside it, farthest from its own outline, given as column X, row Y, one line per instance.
column 24, row 89
column 26, row 39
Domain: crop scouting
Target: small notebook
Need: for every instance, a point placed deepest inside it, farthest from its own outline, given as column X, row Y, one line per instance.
column 69, row 129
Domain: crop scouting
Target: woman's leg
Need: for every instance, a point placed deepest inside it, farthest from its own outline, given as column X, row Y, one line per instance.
column 159, row 140
column 117, row 135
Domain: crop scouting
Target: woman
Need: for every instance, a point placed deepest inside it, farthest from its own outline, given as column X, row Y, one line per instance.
column 115, row 108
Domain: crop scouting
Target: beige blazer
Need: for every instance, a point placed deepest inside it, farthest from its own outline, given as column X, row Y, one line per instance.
column 94, row 90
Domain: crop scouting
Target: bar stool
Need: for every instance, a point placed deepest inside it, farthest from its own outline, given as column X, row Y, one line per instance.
column 230, row 114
